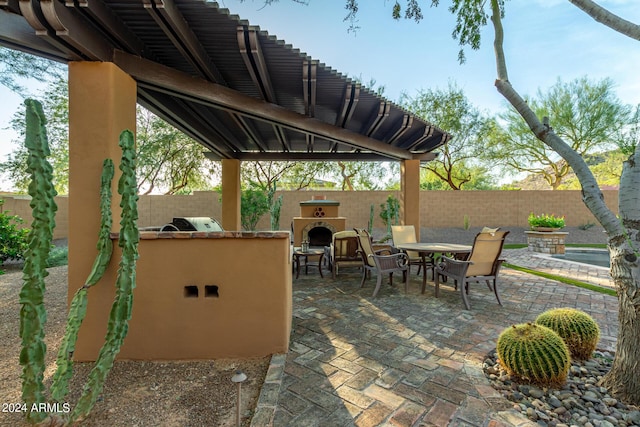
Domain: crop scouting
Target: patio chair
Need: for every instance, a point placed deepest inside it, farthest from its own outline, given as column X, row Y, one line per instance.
column 380, row 264
column 482, row 265
column 343, row 251
column 407, row 234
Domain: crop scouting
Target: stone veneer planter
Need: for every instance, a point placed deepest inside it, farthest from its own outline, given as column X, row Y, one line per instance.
column 548, row 242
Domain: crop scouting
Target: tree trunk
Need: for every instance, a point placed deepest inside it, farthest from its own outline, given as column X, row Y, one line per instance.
column 623, row 380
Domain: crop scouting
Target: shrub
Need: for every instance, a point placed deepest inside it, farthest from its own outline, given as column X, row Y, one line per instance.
column 253, row 205
column 578, row 330
column 13, row 240
column 544, row 220
column 534, row 353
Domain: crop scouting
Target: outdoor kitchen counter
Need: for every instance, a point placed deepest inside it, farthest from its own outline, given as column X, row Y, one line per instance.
column 198, row 295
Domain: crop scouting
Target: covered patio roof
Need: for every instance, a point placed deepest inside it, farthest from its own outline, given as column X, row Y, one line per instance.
column 240, row 92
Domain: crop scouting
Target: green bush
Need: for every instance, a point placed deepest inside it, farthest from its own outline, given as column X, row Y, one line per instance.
column 253, row 205
column 58, row 256
column 544, row 220
column 13, row 240
column 534, row 353
column 578, row 330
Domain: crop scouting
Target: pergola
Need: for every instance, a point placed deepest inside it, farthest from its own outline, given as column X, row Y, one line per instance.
column 240, row 92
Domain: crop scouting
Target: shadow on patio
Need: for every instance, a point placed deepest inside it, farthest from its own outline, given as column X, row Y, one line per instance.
column 410, row 359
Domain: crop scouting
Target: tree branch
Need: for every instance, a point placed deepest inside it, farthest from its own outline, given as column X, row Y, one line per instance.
column 609, row 19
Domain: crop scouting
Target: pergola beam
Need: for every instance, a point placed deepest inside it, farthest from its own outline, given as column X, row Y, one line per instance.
column 176, row 83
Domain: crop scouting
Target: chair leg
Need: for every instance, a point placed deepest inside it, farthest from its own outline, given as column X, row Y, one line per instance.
column 364, row 276
column 334, row 267
column 437, row 282
column 391, row 279
column 378, row 284
column 405, row 277
column 495, row 290
column 463, row 287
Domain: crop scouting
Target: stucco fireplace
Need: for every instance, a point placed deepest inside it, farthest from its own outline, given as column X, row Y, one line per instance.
column 317, row 222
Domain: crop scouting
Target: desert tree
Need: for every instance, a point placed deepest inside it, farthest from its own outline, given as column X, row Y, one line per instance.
column 451, row 110
column 584, row 113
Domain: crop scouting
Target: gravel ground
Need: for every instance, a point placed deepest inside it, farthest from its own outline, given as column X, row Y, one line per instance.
column 136, row 393
column 579, row 402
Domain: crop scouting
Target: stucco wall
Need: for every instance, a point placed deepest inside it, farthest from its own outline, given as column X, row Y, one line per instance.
column 248, row 315
column 438, row 209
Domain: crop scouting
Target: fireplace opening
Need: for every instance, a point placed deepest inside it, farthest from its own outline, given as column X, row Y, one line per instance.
column 320, row 236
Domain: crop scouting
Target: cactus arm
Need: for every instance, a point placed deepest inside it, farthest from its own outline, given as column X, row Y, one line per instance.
column 32, row 313
column 121, row 309
column 78, row 308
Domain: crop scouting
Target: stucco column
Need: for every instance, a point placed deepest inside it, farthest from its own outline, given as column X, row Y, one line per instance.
column 410, row 194
column 102, row 103
column 231, row 194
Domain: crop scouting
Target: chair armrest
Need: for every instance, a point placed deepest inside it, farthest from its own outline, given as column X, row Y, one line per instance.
column 452, row 267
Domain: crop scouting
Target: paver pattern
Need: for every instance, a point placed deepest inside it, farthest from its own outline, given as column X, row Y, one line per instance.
column 406, row 359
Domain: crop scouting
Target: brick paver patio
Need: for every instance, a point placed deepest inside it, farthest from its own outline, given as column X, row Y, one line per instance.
column 405, row 359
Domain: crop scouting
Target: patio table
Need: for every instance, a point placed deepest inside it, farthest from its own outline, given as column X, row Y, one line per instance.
column 311, row 252
column 430, row 249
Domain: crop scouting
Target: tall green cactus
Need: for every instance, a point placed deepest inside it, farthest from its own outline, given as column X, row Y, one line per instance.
column 33, row 314
column 121, row 309
column 78, row 307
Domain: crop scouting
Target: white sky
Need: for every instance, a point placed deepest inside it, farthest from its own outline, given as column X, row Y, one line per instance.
column 544, row 40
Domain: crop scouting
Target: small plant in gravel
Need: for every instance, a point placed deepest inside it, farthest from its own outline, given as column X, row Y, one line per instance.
column 578, row 330
column 534, row 353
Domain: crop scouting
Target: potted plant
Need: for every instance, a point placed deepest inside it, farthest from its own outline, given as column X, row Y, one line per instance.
column 545, row 222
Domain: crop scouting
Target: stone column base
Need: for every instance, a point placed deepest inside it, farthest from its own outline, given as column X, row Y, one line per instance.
column 547, row 242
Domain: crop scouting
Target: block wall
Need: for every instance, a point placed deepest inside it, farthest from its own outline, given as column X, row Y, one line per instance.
column 438, row 209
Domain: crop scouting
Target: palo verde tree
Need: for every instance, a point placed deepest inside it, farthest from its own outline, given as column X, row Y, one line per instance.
column 585, row 114
column 456, row 163
column 622, row 380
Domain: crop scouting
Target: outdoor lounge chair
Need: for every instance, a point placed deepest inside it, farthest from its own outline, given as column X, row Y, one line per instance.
column 344, row 251
column 379, row 263
column 482, row 265
column 407, row 234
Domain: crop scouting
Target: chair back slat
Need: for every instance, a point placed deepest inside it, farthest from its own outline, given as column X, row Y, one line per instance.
column 486, row 250
column 345, row 246
column 364, row 240
column 405, row 234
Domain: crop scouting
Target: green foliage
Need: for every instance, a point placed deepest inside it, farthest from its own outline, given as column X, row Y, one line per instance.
column 121, row 309
column 578, row 330
column 16, row 65
column 33, row 314
column 534, row 353
column 582, row 112
column 390, row 211
column 274, row 207
column 371, row 215
column 457, row 164
column 545, row 220
column 58, row 256
column 13, row 240
column 54, row 105
column 253, row 204
column 168, row 160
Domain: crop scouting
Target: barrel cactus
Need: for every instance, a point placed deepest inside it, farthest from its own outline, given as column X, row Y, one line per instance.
column 578, row 330
column 534, row 353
